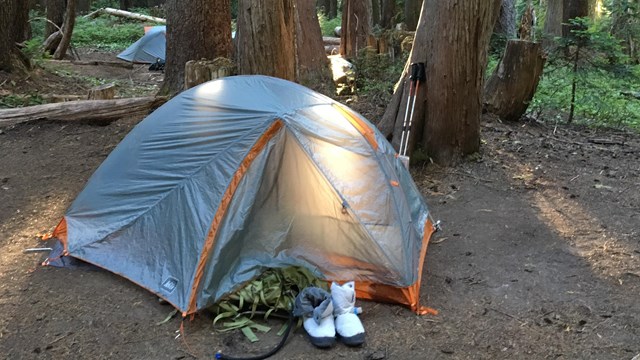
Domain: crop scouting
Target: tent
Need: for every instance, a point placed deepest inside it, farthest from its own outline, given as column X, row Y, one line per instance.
column 246, row 173
column 149, row 48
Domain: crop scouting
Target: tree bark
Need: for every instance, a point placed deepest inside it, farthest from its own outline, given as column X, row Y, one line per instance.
column 333, row 9
column 573, row 9
column 506, row 24
column 265, row 38
column 125, row 4
column 55, row 14
column 554, row 18
column 510, row 89
column 7, row 41
column 22, row 27
column 67, row 30
column 282, row 39
column 87, row 110
column 196, row 29
column 102, row 92
column 197, row 72
column 388, row 14
column 376, row 16
column 84, row 6
column 412, row 13
column 356, row 27
column 311, row 63
column 452, row 40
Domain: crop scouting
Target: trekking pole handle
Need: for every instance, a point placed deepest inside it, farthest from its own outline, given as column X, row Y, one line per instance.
column 417, row 72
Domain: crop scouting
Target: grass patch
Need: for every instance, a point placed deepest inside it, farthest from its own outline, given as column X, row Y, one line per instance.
column 106, row 33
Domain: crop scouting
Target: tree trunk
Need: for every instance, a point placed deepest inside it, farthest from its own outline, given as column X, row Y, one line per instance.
column 282, row 39
column 55, row 14
column 388, row 14
column 452, row 40
column 22, row 27
column 84, row 6
column 553, row 20
column 196, row 29
column 125, row 4
column 311, row 63
column 333, row 9
column 506, row 24
column 7, row 42
column 376, row 16
column 356, row 27
column 323, row 7
column 265, row 38
column 67, row 30
column 513, row 84
column 573, row 9
column 412, row 13
column 88, row 110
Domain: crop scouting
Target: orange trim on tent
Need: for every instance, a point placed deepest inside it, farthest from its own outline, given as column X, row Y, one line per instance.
column 360, row 125
column 60, row 233
column 409, row 296
column 224, row 205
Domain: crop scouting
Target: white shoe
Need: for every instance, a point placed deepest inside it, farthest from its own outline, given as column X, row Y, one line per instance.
column 347, row 323
column 315, row 307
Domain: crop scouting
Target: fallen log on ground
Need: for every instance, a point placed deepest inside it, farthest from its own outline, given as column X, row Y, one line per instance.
column 125, row 14
column 328, row 40
column 121, row 64
column 97, row 111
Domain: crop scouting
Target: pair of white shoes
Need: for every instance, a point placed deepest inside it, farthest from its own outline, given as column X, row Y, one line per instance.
column 326, row 314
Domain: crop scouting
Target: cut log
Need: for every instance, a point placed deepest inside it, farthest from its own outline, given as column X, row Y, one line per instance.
column 102, row 92
column 95, row 111
column 513, row 84
column 328, row 40
column 201, row 71
column 122, row 64
column 125, row 14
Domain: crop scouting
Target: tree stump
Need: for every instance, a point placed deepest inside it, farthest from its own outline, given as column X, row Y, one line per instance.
column 513, row 84
column 197, row 72
column 102, row 92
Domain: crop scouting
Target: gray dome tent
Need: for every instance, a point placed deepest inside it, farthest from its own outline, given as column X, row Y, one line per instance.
column 149, row 48
column 245, row 173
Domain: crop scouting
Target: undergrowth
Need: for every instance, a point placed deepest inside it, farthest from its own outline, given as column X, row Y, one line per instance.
column 106, row 33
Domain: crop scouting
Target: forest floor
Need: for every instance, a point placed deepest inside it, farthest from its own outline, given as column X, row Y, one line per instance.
column 539, row 256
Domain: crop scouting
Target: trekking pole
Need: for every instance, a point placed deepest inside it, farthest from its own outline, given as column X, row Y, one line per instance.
column 406, row 113
column 417, row 75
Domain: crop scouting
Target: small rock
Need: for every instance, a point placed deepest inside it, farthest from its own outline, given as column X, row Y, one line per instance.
column 377, row 355
column 447, row 350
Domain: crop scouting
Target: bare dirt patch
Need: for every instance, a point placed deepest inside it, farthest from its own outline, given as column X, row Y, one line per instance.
column 539, row 256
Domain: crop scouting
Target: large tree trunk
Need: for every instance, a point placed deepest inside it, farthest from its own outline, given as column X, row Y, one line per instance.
column 125, row 4
column 312, row 66
column 452, row 39
column 196, row 29
column 84, row 6
column 559, row 12
column 11, row 59
column 388, row 14
column 7, row 42
column 506, row 24
column 67, row 30
column 412, row 13
column 22, row 28
column 356, row 27
column 265, row 38
column 55, row 14
column 513, row 84
column 279, row 39
column 333, row 9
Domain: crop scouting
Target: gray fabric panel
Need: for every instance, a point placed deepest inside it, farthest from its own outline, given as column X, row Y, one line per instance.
column 150, row 47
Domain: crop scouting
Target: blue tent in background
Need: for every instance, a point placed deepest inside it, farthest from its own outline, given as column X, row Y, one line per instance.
column 151, row 47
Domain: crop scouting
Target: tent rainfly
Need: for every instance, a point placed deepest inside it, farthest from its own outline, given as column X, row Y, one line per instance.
column 149, row 48
column 246, row 173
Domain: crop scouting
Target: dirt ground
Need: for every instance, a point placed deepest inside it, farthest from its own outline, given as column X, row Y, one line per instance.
column 538, row 257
